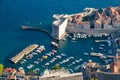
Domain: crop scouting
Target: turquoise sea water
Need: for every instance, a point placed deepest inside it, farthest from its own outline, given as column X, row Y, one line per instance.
column 14, row 13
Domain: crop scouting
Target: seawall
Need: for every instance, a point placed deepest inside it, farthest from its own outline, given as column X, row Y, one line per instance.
column 46, row 31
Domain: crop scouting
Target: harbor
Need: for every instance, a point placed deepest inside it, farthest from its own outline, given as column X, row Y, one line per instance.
column 41, row 58
column 79, row 34
column 51, row 41
column 94, row 45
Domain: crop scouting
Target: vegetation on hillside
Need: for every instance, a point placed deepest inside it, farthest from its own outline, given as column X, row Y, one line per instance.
column 1, row 68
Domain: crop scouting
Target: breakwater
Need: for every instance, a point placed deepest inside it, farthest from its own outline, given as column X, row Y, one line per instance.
column 46, row 31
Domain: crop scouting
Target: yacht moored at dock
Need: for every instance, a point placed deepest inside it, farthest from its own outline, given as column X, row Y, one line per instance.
column 54, row 44
column 40, row 49
column 24, row 52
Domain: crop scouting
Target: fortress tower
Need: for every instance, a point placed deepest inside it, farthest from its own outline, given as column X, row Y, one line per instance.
column 59, row 26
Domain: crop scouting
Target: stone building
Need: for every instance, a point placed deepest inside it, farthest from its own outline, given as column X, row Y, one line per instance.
column 61, row 75
column 59, row 26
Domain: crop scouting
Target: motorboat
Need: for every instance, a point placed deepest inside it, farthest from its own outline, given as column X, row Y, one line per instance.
column 54, row 44
column 73, row 62
column 34, row 53
column 30, row 66
column 59, row 56
column 63, row 39
column 47, row 64
column 40, row 49
column 54, row 51
column 101, row 48
column 62, row 54
column 86, row 54
column 22, row 62
column 36, row 62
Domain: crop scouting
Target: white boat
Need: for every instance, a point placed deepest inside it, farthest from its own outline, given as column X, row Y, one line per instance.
column 73, row 62
column 101, row 48
column 21, row 68
column 22, row 62
column 48, row 54
column 77, row 61
column 36, row 62
column 54, row 51
column 71, row 57
column 73, row 39
column 51, row 61
column 54, row 58
column 97, row 41
column 54, row 44
column 80, row 59
column 89, row 60
column 77, row 67
column 102, row 45
column 67, row 60
column 30, row 66
column 92, row 48
column 86, row 54
column 62, row 54
column 40, row 49
column 96, row 54
column 63, row 39
column 103, row 57
column 34, row 53
column 47, row 64
column 59, row 56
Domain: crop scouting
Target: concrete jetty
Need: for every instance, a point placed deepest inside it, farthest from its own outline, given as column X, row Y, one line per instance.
column 46, row 31
column 24, row 52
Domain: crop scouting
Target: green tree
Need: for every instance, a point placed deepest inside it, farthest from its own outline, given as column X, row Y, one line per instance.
column 56, row 67
column 31, row 72
column 1, row 68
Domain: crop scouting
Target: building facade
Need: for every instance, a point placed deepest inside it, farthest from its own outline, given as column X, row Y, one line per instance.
column 61, row 75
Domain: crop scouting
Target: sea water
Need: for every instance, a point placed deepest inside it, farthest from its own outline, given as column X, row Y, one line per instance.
column 39, row 13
